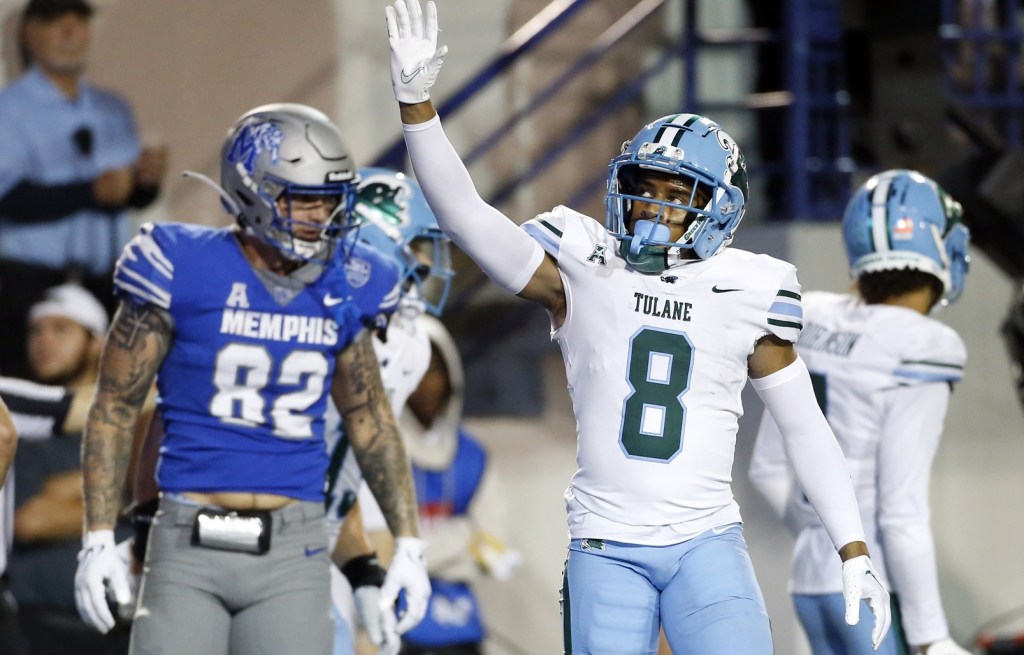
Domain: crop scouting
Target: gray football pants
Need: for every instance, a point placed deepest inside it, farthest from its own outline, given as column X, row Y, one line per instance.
column 201, row 601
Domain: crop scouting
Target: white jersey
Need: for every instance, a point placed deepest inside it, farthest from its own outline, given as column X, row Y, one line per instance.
column 882, row 374
column 404, row 356
column 655, row 366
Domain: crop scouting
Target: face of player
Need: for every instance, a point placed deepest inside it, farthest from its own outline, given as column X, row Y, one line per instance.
column 60, row 351
column 309, row 213
column 59, row 45
column 665, row 187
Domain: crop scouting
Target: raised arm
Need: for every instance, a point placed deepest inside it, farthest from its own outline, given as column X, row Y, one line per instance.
column 372, row 431
column 505, row 253
column 781, row 380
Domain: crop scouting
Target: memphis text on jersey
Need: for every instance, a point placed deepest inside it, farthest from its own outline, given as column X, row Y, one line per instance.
column 237, row 320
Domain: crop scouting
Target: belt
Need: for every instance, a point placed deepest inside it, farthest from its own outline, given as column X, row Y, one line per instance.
column 184, row 513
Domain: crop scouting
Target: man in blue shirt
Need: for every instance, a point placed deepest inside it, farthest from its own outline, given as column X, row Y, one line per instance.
column 70, row 166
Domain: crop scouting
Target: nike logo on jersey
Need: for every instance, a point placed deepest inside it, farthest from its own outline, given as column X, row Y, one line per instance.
column 313, row 551
column 676, row 310
column 409, row 77
column 331, row 301
column 715, row 289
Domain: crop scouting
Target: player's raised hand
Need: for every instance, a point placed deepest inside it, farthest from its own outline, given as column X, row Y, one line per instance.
column 415, row 57
column 860, row 581
column 408, row 572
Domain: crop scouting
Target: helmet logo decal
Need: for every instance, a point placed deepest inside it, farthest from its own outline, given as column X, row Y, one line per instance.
column 389, row 200
column 252, row 141
column 903, row 230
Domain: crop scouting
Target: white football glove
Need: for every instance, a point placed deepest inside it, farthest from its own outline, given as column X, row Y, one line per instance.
column 946, row 647
column 860, row 581
column 408, row 571
column 371, row 615
column 99, row 569
column 415, row 58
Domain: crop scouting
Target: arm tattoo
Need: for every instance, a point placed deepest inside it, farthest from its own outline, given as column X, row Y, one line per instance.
column 373, row 433
column 136, row 346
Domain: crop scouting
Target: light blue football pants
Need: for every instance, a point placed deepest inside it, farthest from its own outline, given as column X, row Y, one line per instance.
column 703, row 593
column 823, row 617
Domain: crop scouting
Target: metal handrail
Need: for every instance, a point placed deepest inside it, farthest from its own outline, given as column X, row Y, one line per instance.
column 525, row 39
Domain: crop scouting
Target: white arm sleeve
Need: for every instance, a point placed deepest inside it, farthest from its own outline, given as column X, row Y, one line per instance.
column 816, row 457
column 504, row 252
column 913, row 426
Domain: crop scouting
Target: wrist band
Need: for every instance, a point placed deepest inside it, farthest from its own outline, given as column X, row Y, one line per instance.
column 363, row 571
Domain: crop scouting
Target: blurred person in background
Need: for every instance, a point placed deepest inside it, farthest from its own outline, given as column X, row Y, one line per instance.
column 883, row 370
column 391, row 215
column 65, row 334
column 70, row 166
column 462, row 514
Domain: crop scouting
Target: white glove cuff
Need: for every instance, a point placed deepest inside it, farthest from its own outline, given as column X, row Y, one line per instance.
column 97, row 539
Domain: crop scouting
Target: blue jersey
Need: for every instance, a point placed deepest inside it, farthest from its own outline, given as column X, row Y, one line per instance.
column 243, row 388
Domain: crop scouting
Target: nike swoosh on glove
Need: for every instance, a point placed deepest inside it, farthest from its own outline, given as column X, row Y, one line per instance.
column 408, row 571
column 860, row 581
column 946, row 647
column 100, row 569
column 415, row 58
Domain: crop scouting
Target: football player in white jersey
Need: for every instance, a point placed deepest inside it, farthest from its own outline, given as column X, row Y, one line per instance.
column 660, row 327
column 883, row 370
column 392, row 215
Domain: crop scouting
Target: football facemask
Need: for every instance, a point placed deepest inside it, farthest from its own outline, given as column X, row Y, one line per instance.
column 710, row 165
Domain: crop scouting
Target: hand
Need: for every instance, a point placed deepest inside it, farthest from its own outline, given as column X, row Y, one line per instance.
column 100, row 568
column 369, row 608
column 861, row 581
column 944, row 647
column 127, row 560
column 408, row 571
column 415, row 58
column 150, row 167
column 112, row 188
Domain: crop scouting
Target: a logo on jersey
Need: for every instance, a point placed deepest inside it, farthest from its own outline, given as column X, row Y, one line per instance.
column 238, row 296
column 677, row 310
column 715, row 289
column 252, row 141
column 331, row 301
column 357, row 272
column 599, row 255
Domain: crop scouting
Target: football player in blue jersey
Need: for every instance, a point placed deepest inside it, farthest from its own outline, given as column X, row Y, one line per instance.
column 246, row 329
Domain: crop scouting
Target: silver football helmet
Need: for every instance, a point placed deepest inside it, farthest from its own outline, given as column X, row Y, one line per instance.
column 281, row 151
